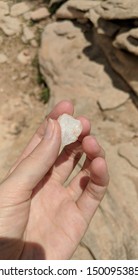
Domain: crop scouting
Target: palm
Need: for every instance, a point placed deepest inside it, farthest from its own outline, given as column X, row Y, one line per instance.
column 58, row 225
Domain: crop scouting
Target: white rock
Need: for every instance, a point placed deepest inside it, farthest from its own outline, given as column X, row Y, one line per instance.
column 39, row 14
column 19, row 9
column 3, row 58
column 70, row 129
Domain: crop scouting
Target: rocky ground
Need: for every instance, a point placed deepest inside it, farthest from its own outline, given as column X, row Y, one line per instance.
column 87, row 52
column 20, row 93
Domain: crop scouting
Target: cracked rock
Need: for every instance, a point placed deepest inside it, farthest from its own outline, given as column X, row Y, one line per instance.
column 112, row 99
column 130, row 153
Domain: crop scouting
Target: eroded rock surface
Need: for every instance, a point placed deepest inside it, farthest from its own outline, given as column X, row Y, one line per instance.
column 126, row 64
column 118, row 9
column 92, row 61
column 128, row 41
column 76, row 66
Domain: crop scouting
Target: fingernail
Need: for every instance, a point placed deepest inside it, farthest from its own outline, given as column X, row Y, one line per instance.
column 49, row 129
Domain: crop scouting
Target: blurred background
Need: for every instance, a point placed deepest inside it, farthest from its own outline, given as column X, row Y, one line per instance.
column 85, row 51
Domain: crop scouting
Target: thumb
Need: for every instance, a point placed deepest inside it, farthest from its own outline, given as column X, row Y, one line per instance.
column 33, row 168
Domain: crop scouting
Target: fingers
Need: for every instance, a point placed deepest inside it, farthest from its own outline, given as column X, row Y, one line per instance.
column 89, row 186
column 95, row 189
column 70, row 155
column 61, row 108
column 93, row 150
column 33, row 168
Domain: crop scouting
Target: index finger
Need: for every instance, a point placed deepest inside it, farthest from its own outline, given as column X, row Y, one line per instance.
column 59, row 109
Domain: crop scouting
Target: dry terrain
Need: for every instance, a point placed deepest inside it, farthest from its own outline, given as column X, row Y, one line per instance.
column 84, row 57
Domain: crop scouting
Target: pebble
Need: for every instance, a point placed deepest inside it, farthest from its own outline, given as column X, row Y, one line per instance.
column 14, row 78
column 15, row 128
column 28, row 34
column 24, row 57
column 4, row 9
column 40, row 14
column 19, row 9
column 23, row 75
column 3, row 58
column 10, row 26
column 34, row 43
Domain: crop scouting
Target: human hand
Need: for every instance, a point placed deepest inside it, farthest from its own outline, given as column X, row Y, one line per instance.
column 39, row 218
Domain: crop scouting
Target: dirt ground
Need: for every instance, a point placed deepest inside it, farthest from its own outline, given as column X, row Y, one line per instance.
column 21, row 110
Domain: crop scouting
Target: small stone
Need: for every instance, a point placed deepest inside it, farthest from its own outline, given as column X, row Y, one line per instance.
column 4, row 9
column 10, row 26
column 28, row 34
column 3, row 58
column 15, row 129
column 40, row 14
column 14, row 78
column 23, row 75
column 70, row 129
column 93, row 17
column 24, row 40
column 24, row 57
column 19, row 9
column 34, row 43
column 107, row 29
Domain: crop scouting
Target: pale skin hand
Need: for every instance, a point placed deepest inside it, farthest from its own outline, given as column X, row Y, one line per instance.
column 39, row 218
